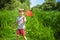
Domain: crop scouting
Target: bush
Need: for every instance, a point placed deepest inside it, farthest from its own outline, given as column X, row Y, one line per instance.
column 9, row 4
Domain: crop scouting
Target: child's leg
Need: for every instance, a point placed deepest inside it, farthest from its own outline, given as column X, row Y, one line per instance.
column 18, row 34
column 17, row 37
column 24, row 37
column 24, row 34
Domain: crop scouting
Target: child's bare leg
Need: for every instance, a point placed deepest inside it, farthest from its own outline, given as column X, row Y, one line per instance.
column 17, row 37
column 25, row 38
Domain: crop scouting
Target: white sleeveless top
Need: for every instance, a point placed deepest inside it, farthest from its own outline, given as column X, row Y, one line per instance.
column 21, row 25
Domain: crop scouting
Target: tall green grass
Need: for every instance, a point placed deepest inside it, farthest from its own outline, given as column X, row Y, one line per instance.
column 7, row 18
column 41, row 26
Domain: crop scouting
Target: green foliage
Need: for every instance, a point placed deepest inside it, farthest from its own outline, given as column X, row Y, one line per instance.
column 22, row 1
column 49, row 18
column 35, row 26
column 50, row 0
column 12, row 4
column 48, row 5
column 9, row 4
column 2, row 3
column 58, row 6
column 6, row 29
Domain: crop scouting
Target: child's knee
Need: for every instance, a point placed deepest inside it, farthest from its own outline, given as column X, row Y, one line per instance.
column 18, row 35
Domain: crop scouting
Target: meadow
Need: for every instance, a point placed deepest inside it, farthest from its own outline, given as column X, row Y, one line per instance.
column 43, row 25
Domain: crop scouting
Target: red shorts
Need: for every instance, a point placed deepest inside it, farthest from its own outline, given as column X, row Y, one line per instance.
column 21, row 31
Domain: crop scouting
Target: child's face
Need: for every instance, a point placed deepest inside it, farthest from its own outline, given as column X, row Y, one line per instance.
column 21, row 13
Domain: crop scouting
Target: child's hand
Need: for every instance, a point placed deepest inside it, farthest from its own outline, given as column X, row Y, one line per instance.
column 13, row 25
column 23, row 18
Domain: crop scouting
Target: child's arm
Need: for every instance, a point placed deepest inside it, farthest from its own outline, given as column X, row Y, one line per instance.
column 15, row 24
column 24, row 21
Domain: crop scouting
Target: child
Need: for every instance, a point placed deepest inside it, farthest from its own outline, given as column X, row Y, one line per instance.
column 21, row 20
